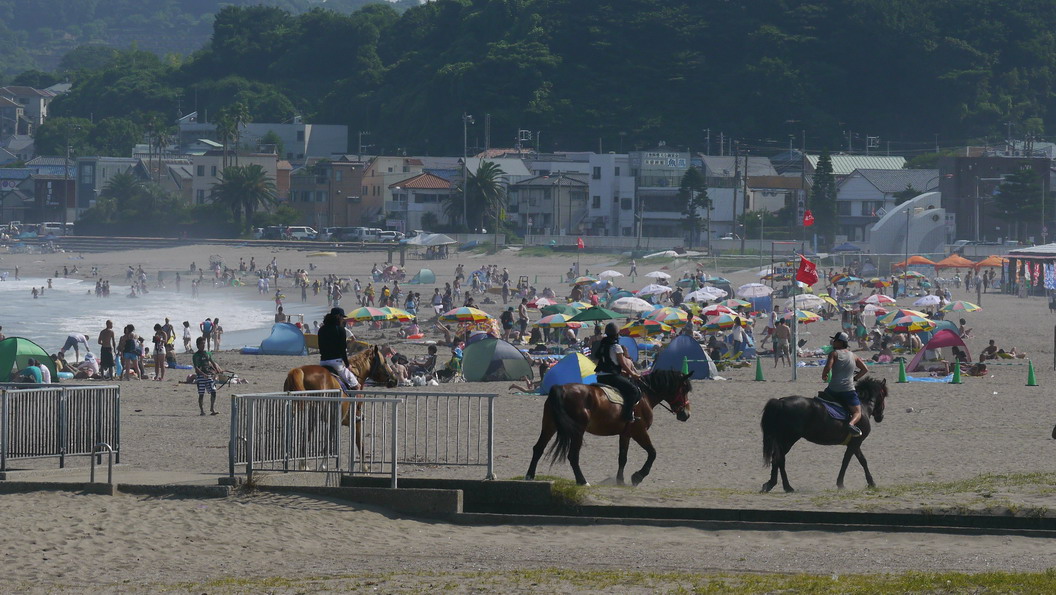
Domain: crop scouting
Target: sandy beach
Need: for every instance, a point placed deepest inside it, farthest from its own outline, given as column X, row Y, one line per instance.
column 983, row 446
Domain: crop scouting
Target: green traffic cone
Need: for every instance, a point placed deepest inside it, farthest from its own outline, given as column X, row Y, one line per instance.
column 759, row 370
column 685, row 365
column 902, row 371
column 956, row 373
column 1031, row 379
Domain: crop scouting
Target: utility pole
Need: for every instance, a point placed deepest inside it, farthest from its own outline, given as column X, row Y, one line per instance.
column 744, row 209
column 359, row 155
column 466, row 121
column 722, row 144
column 736, row 184
column 707, row 131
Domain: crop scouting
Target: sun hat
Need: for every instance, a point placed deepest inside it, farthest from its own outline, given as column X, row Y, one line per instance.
column 841, row 336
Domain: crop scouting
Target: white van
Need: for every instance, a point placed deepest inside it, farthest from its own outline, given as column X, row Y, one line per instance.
column 52, row 228
column 301, row 232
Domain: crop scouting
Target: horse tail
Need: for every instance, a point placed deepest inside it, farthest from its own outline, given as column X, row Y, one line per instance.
column 771, row 424
column 294, row 380
column 564, row 425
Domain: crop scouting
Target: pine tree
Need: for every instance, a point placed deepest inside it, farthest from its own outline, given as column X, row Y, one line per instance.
column 823, row 200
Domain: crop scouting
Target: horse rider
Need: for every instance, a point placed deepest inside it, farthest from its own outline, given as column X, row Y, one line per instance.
column 614, row 367
column 846, row 369
column 333, row 349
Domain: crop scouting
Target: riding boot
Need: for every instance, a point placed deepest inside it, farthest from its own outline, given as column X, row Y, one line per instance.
column 853, row 431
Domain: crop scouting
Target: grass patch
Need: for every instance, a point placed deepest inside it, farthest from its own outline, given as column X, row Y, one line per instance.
column 548, row 580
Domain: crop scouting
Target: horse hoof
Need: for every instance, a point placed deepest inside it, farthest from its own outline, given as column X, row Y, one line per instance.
column 789, row 490
column 636, row 479
column 839, row 486
column 766, row 488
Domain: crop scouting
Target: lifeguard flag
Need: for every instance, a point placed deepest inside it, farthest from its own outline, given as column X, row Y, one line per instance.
column 808, row 218
column 807, row 273
column 579, row 243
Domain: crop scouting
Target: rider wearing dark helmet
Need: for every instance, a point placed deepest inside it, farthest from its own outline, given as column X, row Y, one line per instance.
column 614, row 368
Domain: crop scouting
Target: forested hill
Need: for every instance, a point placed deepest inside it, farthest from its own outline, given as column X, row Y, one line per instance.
column 636, row 71
column 37, row 33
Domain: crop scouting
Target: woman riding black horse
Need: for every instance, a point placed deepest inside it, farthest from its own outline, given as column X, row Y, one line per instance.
column 787, row 420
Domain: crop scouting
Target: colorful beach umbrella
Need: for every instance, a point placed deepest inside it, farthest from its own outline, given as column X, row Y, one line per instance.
column 671, row 316
column 911, row 324
column 715, row 310
column 912, row 275
column 464, row 314
column 398, row 314
column 724, row 321
column 960, row 306
column 735, row 303
column 877, row 282
column 580, row 306
column 802, row 316
column 845, row 279
column 556, row 321
column 878, row 299
column 899, row 313
column 584, row 280
column 642, row 328
column 541, row 302
column 365, row 314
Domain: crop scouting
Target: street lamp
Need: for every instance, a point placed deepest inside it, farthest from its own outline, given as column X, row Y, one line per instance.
column 466, row 121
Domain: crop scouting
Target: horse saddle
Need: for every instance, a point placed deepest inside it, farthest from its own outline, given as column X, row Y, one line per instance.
column 611, row 393
column 340, row 381
column 835, row 409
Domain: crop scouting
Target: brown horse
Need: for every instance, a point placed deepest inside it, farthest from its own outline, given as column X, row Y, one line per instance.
column 367, row 364
column 572, row 409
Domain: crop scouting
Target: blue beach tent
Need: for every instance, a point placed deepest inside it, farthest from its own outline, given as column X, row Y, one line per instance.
column 684, row 347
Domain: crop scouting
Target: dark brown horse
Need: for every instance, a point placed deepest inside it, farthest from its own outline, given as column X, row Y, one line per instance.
column 787, row 420
column 572, row 409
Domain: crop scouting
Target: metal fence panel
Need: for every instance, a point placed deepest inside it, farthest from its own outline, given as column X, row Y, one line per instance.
column 303, row 431
column 58, row 421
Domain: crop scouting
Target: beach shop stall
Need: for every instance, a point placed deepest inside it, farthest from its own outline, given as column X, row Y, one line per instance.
column 1029, row 271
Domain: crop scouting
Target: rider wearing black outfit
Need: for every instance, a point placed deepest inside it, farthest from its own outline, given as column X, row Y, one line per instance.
column 333, row 351
column 613, row 365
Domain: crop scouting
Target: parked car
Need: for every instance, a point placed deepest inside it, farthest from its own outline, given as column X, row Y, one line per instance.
column 301, row 232
column 390, row 236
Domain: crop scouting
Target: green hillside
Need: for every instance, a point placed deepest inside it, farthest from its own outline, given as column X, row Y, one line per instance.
column 623, row 71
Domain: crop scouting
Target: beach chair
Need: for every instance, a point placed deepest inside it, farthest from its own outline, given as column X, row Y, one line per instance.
column 451, row 372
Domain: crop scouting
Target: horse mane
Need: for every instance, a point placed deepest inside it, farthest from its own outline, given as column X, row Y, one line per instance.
column 665, row 382
column 869, row 389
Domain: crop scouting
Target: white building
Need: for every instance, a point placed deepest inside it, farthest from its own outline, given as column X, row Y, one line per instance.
column 299, row 140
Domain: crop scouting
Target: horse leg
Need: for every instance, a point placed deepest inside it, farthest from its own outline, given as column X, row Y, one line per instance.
column 545, row 434
column 861, row 459
column 642, row 438
column 777, row 465
column 784, row 476
column 843, row 466
column 573, row 458
column 625, row 441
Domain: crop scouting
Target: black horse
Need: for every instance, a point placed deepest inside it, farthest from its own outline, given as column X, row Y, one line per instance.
column 787, row 420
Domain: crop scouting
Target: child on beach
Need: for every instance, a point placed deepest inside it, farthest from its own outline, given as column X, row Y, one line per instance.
column 186, row 336
column 204, row 370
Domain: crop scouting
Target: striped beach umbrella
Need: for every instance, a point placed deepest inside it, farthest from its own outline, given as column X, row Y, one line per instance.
column 715, row 310
column 642, row 328
column 899, row 313
column 724, row 321
column 911, row 324
column 365, row 314
column 671, row 316
column 556, row 321
column 398, row 314
column 736, row 303
column 802, row 316
column 580, row 306
column 584, row 280
column 464, row 314
column 960, row 306
column 878, row 299
column 912, row 275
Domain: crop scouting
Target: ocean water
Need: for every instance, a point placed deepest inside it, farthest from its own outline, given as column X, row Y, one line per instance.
column 68, row 307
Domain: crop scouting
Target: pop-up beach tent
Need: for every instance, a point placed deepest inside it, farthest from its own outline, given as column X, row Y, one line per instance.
column 285, row 339
column 492, row 359
column 17, row 351
column 943, row 338
column 424, row 276
column 574, row 367
column 682, row 348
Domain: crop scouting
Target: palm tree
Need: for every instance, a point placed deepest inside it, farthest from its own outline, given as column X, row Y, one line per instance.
column 120, row 193
column 485, row 196
column 244, row 188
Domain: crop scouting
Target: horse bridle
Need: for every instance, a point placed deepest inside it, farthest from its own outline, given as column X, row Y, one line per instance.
column 683, row 399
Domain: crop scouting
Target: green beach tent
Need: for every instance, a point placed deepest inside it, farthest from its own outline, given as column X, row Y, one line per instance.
column 424, row 276
column 491, row 359
column 17, row 351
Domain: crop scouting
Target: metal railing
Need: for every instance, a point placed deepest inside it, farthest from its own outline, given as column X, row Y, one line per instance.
column 303, row 431
column 58, row 422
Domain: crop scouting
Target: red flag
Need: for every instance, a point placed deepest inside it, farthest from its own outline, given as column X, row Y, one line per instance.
column 808, row 218
column 579, row 243
column 807, row 273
